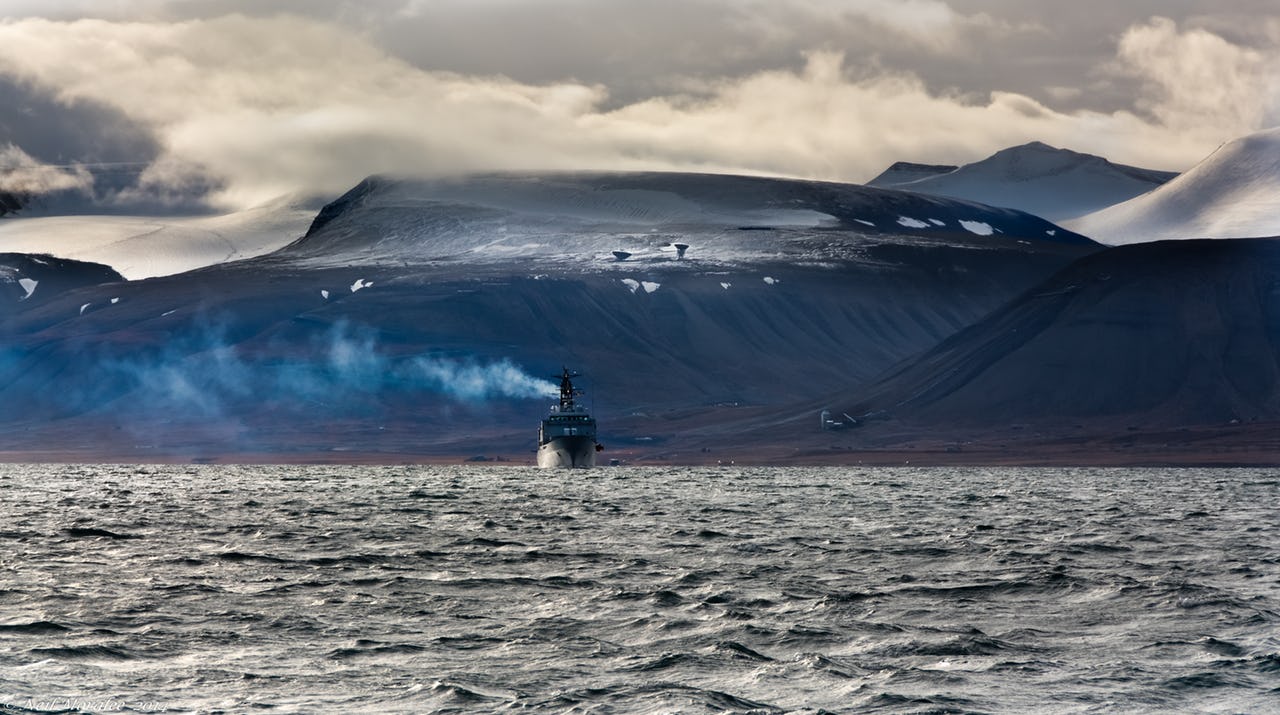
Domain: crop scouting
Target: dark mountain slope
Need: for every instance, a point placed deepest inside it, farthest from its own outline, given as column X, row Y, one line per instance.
column 27, row 280
column 1154, row 335
column 11, row 202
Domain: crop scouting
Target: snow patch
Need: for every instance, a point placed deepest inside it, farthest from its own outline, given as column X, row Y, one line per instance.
column 29, row 286
column 324, row 294
column 726, row 285
column 771, row 280
column 912, row 222
column 635, row 285
column 978, row 227
column 361, row 284
column 1051, row 232
column 84, row 307
column 865, row 223
column 168, row 313
column 936, row 222
column 115, row 300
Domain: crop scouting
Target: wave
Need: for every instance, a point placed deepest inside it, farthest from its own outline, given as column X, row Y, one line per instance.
column 33, row 628
column 651, row 699
column 364, row 649
column 86, row 652
column 663, row 662
column 488, row 543
column 469, row 642
column 1209, row 679
column 85, row 532
column 462, row 694
column 242, row 557
column 348, row 560
column 975, row 644
column 893, row 702
column 1266, row 663
column 737, row 650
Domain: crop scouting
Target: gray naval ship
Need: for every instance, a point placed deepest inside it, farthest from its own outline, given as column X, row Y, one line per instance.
column 567, row 436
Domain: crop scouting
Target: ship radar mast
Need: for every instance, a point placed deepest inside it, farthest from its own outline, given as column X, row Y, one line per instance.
column 567, row 391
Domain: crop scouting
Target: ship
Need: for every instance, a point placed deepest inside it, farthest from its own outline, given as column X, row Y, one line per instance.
column 567, row 435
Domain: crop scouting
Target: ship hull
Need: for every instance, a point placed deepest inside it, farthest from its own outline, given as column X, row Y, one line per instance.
column 567, row 452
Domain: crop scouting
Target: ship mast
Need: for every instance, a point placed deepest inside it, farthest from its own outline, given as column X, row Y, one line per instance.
column 567, row 391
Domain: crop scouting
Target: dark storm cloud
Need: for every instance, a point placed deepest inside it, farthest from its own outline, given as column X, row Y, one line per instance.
column 1048, row 50
column 65, row 132
column 274, row 96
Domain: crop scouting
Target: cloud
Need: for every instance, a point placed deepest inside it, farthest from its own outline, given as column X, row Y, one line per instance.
column 20, row 174
column 929, row 26
column 258, row 107
column 1195, row 80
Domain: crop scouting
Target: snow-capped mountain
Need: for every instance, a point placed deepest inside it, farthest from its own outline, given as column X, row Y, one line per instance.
column 591, row 218
column 721, row 312
column 904, row 172
column 101, row 213
column 1057, row 184
column 1234, row 193
column 145, row 246
column 672, row 292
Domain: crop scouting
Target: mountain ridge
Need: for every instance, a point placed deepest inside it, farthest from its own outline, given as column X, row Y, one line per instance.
column 1232, row 193
column 1162, row 334
column 594, row 213
column 1035, row 177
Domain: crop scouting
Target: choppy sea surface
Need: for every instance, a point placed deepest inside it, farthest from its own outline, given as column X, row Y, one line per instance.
column 638, row 590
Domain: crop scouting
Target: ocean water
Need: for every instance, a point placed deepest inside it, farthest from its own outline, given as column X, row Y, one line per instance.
column 638, row 590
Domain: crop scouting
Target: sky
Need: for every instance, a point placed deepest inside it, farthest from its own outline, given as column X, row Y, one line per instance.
column 244, row 101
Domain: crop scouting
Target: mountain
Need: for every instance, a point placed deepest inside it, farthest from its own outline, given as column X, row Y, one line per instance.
column 27, row 280
column 903, row 172
column 104, row 213
column 1150, row 338
column 11, row 202
column 590, row 215
column 1234, row 193
column 416, row 316
column 148, row 245
column 1054, row 183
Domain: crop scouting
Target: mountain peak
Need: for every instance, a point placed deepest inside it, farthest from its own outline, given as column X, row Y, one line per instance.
column 1037, row 178
column 1233, row 193
column 1038, row 146
column 905, row 172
